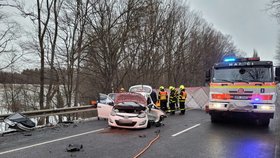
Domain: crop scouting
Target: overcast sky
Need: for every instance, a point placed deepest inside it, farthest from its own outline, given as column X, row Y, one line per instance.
column 250, row 26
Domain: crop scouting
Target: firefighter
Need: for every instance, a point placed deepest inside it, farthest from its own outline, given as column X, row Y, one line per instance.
column 172, row 100
column 122, row 90
column 162, row 97
column 154, row 96
column 177, row 98
column 182, row 99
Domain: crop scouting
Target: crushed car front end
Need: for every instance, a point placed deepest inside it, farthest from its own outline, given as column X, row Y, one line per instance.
column 128, row 115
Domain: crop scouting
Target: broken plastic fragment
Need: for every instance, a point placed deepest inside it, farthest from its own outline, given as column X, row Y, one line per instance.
column 74, row 147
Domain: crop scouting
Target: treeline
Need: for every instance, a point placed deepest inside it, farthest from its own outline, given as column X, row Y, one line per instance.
column 92, row 46
column 28, row 76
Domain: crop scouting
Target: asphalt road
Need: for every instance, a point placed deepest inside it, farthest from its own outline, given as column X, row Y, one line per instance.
column 191, row 135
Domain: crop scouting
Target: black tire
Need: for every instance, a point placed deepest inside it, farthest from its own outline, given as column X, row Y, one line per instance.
column 112, row 127
column 264, row 122
column 149, row 124
column 214, row 119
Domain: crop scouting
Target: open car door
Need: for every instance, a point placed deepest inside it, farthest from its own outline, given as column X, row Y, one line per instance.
column 112, row 96
column 145, row 90
column 104, row 106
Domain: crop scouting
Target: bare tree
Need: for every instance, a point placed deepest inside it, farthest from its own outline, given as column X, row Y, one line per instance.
column 9, row 33
column 277, row 54
column 91, row 46
column 273, row 7
column 165, row 43
column 73, row 22
column 42, row 29
column 111, row 25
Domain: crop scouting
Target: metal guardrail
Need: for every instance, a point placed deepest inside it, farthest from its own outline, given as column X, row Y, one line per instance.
column 51, row 112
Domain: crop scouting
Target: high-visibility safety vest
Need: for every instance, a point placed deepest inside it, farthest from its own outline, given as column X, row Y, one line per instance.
column 162, row 95
column 183, row 96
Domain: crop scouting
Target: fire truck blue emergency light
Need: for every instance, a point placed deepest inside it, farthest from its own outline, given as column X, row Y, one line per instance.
column 229, row 59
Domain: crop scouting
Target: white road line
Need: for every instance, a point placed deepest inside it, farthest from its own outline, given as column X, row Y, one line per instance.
column 174, row 135
column 51, row 141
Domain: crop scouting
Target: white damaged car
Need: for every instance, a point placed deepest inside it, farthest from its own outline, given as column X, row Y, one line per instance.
column 130, row 110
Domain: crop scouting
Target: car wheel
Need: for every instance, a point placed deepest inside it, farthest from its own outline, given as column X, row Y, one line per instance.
column 161, row 118
column 112, row 127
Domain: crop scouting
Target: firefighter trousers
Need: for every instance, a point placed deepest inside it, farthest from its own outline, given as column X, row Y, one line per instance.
column 182, row 108
column 172, row 108
column 163, row 105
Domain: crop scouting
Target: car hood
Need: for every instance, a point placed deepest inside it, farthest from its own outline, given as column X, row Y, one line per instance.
column 142, row 89
column 130, row 97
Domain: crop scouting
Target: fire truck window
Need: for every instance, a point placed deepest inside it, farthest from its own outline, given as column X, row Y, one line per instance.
column 246, row 74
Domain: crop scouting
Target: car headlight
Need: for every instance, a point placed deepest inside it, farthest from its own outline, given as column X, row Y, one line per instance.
column 113, row 113
column 266, row 107
column 142, row 115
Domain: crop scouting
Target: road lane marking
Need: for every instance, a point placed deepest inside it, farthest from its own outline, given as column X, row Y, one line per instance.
column 174, row 135
column 51, row 141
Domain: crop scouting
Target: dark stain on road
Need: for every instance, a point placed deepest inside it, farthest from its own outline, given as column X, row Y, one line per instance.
column 116, row 131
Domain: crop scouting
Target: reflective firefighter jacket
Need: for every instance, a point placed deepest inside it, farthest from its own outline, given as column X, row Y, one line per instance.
column 162, row 96
column 172, row 98
column 182, row 96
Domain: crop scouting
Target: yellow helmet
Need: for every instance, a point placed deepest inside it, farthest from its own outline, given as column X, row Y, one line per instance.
column 182, row 87
column 161, row 88
column 171, row 88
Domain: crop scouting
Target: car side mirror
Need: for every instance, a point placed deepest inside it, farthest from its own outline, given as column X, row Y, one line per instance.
column 277, row 74
column 98, row 98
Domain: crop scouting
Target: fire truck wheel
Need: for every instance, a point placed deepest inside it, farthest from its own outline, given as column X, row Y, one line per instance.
column 264, row 122
column 214, row 119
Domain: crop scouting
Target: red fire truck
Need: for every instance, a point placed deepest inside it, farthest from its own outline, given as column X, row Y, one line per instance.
column 243, row 88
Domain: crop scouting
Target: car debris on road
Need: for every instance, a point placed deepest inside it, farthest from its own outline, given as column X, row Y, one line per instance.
column 74, row 147
column 19, row 121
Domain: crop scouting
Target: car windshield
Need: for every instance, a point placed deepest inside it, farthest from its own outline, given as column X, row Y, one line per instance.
column 112, row 96
column 104, row 99
column 243, row 74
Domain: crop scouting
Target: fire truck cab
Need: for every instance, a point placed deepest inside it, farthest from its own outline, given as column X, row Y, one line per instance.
column 243, row 88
